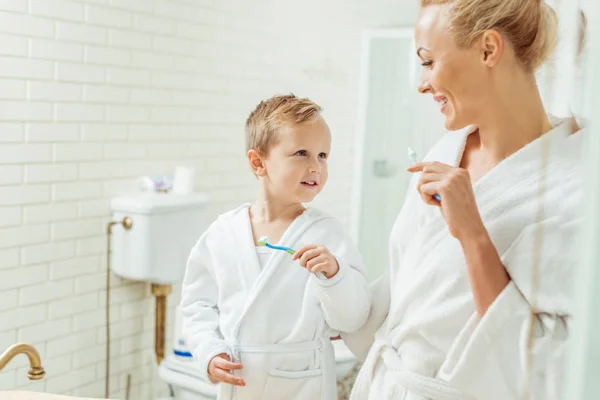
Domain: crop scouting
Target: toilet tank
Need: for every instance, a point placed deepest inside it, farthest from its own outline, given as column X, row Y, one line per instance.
column 165, row 228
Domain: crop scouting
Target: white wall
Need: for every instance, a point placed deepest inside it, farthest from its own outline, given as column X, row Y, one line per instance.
column 94, row 93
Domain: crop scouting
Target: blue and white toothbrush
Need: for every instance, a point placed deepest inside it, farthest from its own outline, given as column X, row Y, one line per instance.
column 264, row 241
column 412, row 156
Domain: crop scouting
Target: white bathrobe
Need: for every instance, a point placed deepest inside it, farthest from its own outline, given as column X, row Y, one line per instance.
column 424, row 338
column 275, row 321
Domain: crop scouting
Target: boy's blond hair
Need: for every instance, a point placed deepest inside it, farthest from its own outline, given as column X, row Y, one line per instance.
column 271, row 114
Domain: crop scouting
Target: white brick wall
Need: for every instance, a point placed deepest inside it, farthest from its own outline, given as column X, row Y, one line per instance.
column 93, row 94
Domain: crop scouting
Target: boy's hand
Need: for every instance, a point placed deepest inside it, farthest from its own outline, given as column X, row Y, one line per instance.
column 219, row 370
column 317, row 258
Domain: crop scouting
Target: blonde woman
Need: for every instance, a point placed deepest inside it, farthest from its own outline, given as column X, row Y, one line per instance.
column 476, row 304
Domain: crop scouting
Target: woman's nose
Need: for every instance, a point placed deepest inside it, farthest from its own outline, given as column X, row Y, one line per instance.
column 424, row 86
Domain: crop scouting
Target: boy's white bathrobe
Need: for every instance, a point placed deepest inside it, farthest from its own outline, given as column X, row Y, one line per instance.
column 275, row 321
column 427, row 341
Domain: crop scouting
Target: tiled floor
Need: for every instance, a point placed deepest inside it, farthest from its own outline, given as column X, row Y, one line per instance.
column 345, row 385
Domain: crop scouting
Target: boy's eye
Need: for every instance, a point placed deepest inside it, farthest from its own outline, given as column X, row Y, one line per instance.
column 322, row 155
column 301, row 152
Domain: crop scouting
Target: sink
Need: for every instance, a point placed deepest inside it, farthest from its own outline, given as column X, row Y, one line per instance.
column 23, row 395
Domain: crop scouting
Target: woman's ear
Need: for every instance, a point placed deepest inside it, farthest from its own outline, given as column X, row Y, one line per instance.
column 256, row 163
column 492, row 47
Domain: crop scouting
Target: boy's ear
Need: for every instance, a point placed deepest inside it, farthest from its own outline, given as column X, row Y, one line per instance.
column 256, row 163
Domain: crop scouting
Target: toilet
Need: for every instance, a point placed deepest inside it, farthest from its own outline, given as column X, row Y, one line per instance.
column 181, row 372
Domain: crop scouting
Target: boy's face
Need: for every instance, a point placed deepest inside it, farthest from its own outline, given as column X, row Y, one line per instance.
column 296, row 166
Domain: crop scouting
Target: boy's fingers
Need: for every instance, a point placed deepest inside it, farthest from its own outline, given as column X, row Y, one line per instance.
column 227, row 365
column 314, row 261
column 309, row 255
column 226, row 377
column 300, row 252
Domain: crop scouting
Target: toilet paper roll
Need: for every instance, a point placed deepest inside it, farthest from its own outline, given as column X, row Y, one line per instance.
column 184, row 180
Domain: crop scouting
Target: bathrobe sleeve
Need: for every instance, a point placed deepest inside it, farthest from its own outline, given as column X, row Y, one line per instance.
column 518, row 346
column 200, row 314
column 345, row 298
column 360, row 341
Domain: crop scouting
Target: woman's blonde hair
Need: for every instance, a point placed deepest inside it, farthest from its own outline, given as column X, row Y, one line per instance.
column 529, row 25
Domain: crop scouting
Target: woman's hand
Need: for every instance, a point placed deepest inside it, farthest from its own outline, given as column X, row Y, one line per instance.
column 220, row 370
column 458, row 204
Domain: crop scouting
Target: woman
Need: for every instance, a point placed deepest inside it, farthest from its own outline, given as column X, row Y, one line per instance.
column 476, row 302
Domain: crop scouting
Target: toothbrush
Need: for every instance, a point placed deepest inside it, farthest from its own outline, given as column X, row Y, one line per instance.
column 264, row 241
column 412, row 156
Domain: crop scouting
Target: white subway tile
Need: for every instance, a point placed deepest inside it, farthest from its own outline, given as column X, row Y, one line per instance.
column 127, row 294
column 135, row 308
column 91, row 390
column 151, row 60
column 71, row 380
column 13, row 5
column 90, row 283
column 57, row 9
column 12, row 89
column 129, row 39
column 108, row 17
column 76, row 304
column 45, row 331
column 128, row 114
column 104, row 132
column 13, row 67
column 77, row 151
column 23, row 316
column 10, row 216
column 70, row 344
column 25, row 111
column 57, row 366
column 94, row 208
column 134, row 5
column 11, row 174
column 74, row 267
column 18, row 195
column 91, row 246
column 124, row 151
column 90, row 356
column 69, row 72
column 80, row 33
column 76, row 191
column 105, row 94
column 25, row 153
column 7, row 339
column 76, row 229
column 52, row 132
column 147, row 23
column 171, row 45
column 54, row 91
column 100, row 170
column 46, row 252
column 107, row 56
column 131, row 77
column 94, row 319
column 11, row 132
column 45, row 292
column 56, row 50
column 9, row 299
column 50, row 212
column 26, row 25
column 80, row 112
column 9, row 258
column 9, row 378
column 43, row 173
column 126, row 328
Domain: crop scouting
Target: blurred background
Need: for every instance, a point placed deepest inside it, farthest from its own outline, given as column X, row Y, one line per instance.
column 95, row 94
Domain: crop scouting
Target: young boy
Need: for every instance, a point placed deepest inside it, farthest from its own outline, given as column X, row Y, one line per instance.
column 259, row 320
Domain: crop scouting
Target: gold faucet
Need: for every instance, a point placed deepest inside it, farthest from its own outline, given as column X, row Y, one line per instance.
column 35, row 364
